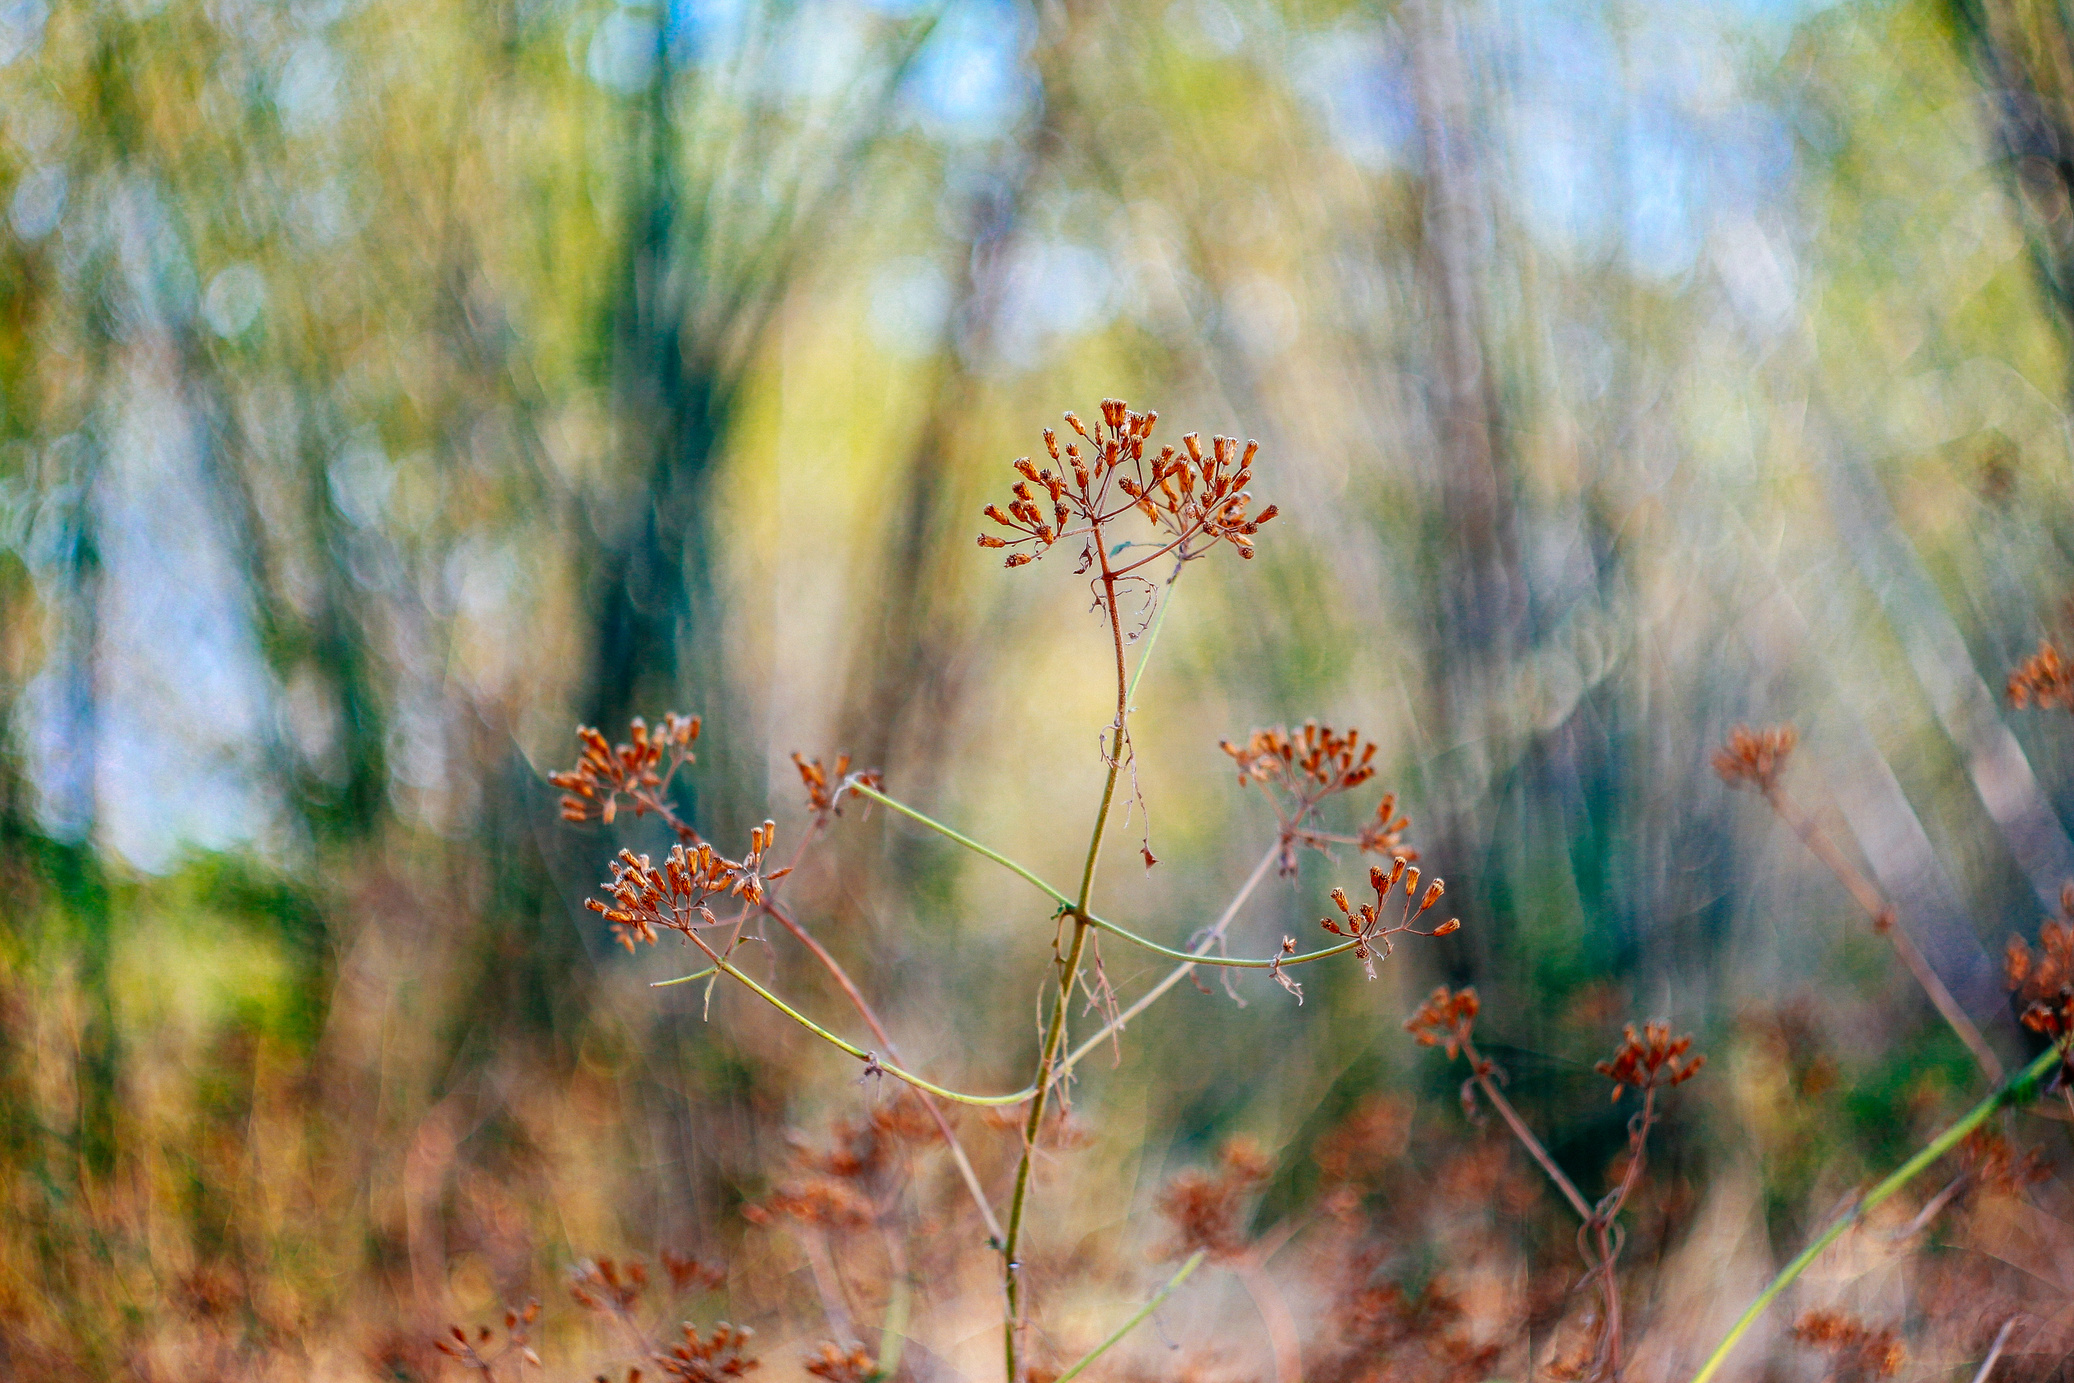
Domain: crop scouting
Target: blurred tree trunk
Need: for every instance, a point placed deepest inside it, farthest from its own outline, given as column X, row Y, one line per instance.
column 2023, row 53
column 1480, row 603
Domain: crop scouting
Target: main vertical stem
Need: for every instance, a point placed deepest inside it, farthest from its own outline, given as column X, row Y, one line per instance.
column 1069, row 973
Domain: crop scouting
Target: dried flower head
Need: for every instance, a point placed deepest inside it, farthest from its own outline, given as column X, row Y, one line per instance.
column 475, row 1354
column 605, row 1285
column 2044, row 981
column 840, row 1366
column 639, row 771
column 674, row 896
column 828, row 1201
column 689, row 1274
column 2045, row 677
column 826, row 789
column 1208, row 1209
column 1298, row 772
column 1193, row 501
column 710, row 1358
column 1371, row 923
column 1859, row 1351
column 1755, row 758
column 1997, row 1166
column 1653, row 1061
column 1445, row 1019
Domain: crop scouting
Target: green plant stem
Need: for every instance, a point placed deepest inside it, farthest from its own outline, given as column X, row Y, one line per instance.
column 1195, row 1260
column 898, row 1073
column 1229, row 962
column 685, row 979
column 2022, row 1087
column 1159, row 619
column 1069, row 974
column 865, row 790
column 1181, row 971
column 1075, row 909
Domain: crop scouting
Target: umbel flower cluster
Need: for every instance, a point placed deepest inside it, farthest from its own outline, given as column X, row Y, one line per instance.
column 674, row 895
column 1192, row 500
column 1298, row 772
column 1370, row 923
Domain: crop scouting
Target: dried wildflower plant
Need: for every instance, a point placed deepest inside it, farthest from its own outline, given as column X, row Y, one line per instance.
column 639, row 770
column 1652, row 1061
column 2043, row 980
column 1755, row 758
column 1102, row 491
column 1649, row 1061
column 1192, row 501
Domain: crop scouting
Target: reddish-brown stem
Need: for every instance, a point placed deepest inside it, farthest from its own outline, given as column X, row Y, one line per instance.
column 1282, row 1334
column 871, row 1020
column 1481, row 1073
column 1881, row 914
column 1601, row 1225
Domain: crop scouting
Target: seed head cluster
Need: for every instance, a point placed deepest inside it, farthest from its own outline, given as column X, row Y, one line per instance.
column 2046, row 677
column 2044, row 980
column 837, row 1365
column 1194, row 501
column 475, row 1354
column 710, row 1358
column 1653, row 1060
column 1371, row 924
column 1298, row 772
column 674, row 896
column 639, row 770
column 827, row 788
column 1446, row 1019
column 1755, row 758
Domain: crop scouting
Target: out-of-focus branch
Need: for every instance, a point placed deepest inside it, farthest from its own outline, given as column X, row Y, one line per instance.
column 1881, row 913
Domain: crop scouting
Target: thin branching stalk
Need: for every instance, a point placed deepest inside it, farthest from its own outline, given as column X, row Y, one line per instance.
column 1069, row 971
column 1182, row 971
column 1987, row 1365
column 2020, row 1089
column 1882, row 916
column 1283, row 1340
column 1481, row 1074
column 878, row 1029
column 1195, row 1260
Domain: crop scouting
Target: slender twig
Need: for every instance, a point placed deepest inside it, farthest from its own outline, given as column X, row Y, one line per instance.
column 863, row 789
column 1195, row 1260
column 2019, row 1089
column 1267, row 1300
column 1876, row 908
column 1480, row 1072
column 1181, row 971
column 871, row 1060
column 878, row 1029
column 1987, row 1365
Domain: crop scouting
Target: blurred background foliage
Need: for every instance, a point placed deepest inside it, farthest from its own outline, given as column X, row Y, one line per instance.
column 385, row 388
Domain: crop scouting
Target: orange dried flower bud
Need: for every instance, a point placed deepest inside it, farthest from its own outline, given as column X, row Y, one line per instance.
column 1453, row 924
